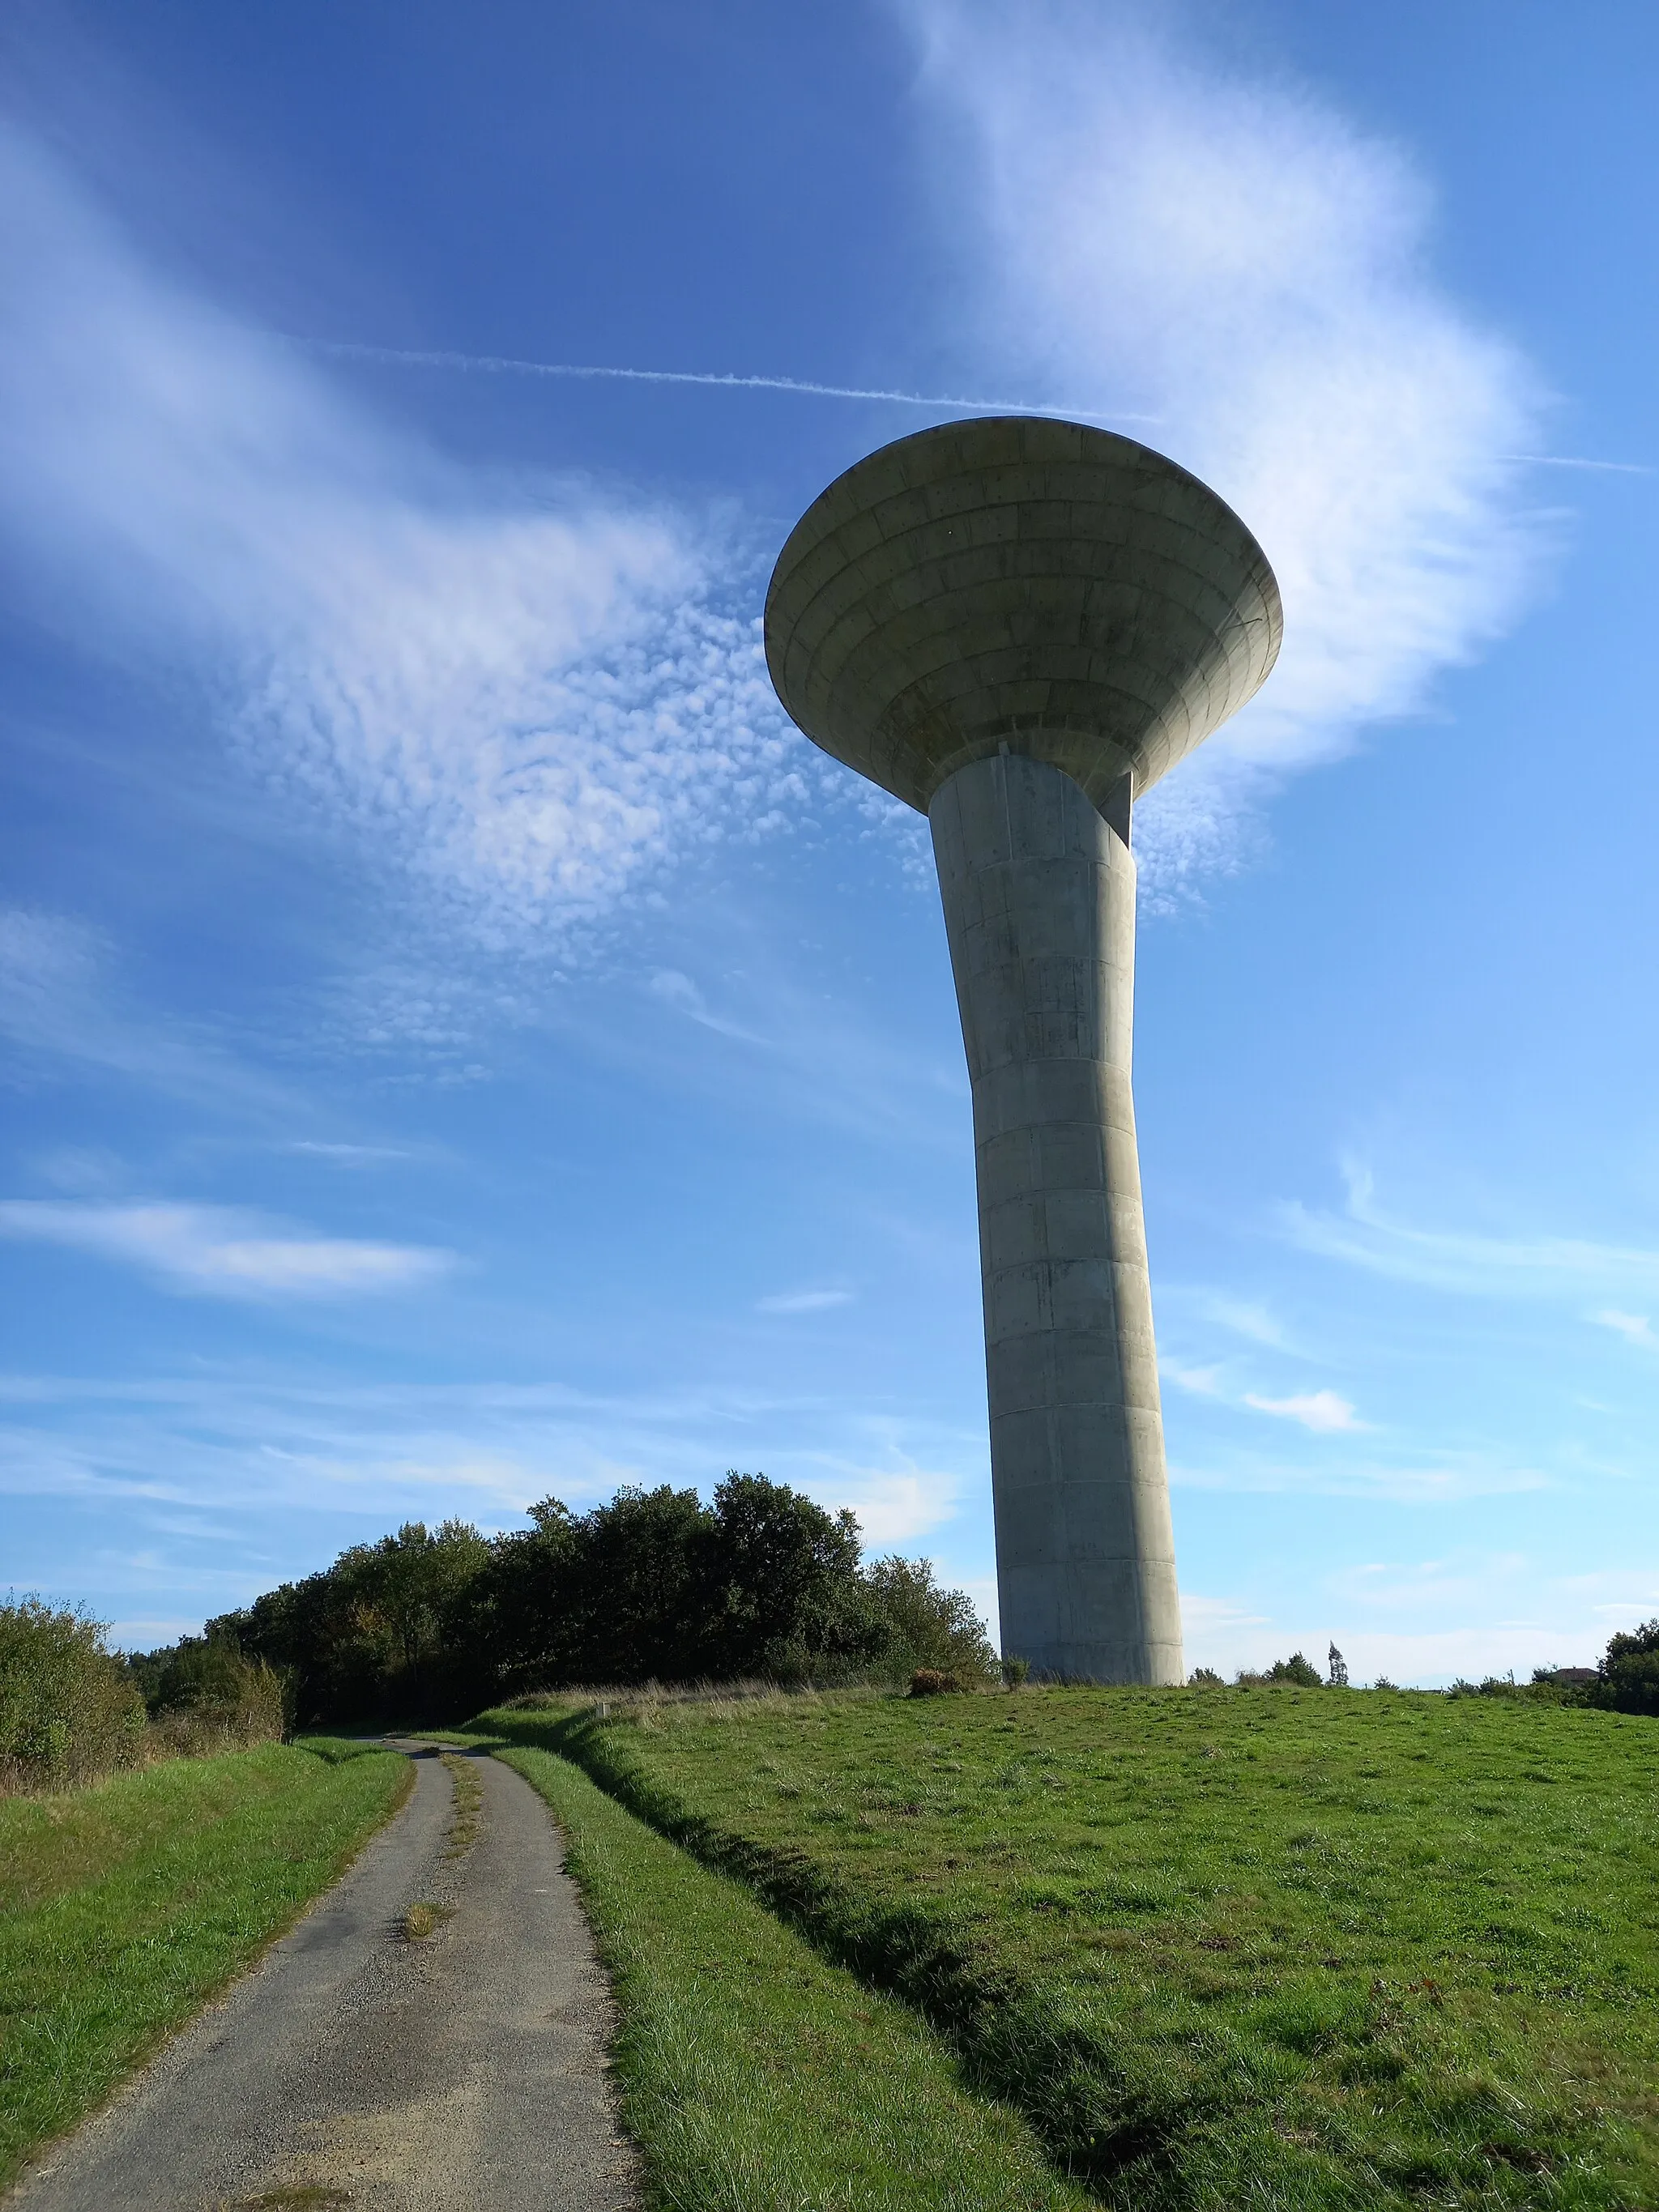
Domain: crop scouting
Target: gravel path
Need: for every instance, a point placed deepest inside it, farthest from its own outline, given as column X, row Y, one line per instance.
column 356, row 2067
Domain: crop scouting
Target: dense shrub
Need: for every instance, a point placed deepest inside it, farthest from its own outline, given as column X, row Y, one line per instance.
column 204, row 1695
column 928, row 1627
column 1544, row 1689
column 68, row 1709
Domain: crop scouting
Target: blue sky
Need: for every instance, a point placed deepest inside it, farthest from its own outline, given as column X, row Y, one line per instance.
column 460, row 1044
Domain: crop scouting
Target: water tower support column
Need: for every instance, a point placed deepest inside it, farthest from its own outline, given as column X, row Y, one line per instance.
column 1039, row 893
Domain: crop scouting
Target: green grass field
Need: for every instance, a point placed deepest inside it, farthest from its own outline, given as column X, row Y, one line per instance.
column 755, row 2076
column 1229, row 1948
column 123, row 1906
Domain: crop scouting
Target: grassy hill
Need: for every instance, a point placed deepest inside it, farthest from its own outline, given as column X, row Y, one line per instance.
column 1229, row 1947
column 123, row 1906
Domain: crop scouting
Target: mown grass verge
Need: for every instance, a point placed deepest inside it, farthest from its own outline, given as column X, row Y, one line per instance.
column 755, row 2076
column 123, row 1906
column 1269, row 1948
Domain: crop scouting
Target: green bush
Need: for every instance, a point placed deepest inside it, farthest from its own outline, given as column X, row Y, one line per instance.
column 933, row 1631
column 1298, row 1668
column 1542, row 1690
column 68, row 1709
column 204, row 1695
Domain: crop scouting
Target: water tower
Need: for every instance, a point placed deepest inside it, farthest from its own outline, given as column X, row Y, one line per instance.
column 1018, row 625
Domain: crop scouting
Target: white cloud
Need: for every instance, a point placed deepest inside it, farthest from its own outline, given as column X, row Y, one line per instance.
column 532, row 697
column 1202, row 1616
column 236, row 1442
column 1201, row 1381
column 82, row 1170
column 1141, row 228
column 1248, row 1319
column 799, row 1302
column 685, row 997
column 1320, row 1410
column 1635, row 1328
column 1465, row 1261
column 893, row 1506
column 222, row 1251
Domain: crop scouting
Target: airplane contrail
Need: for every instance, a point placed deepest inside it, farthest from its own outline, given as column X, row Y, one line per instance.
column 495, row 365
column 1576, row 461
column 501, row 365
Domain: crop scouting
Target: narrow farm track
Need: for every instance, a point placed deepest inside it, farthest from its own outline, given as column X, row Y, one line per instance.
column 358, row 2065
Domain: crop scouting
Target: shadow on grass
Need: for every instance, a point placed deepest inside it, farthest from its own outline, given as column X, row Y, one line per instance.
column 1097, row 2122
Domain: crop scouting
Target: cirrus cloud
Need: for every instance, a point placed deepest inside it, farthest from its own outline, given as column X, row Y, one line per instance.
column 224, row 1251
column 800, row 1301
column 1233, row 256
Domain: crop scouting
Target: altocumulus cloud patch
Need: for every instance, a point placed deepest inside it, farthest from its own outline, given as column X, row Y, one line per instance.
column 531, row 700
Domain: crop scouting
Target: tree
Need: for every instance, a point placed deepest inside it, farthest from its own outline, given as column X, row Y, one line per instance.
column 1339, row 1669
column 371, row 1637
column 655, row 1584
column 516, row 1627
column 928, row 1627
column 637, row 1586
column 313, row 1634
column 409, row 1586
column 1628, row 1675
column 782, row 1584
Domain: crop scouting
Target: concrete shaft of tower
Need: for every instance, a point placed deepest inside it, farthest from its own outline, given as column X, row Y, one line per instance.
column 1039, row 908
column 1018, row 625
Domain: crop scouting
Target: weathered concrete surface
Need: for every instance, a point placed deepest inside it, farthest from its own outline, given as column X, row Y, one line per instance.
column 1018, row 625
column 1057, row 588
column 1039, row 894
column 462, row 2074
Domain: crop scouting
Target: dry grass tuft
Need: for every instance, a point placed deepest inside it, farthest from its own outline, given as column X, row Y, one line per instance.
column 423, row 1920
column 648, row 1701
column 468, row 1814
column 297, row 2196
